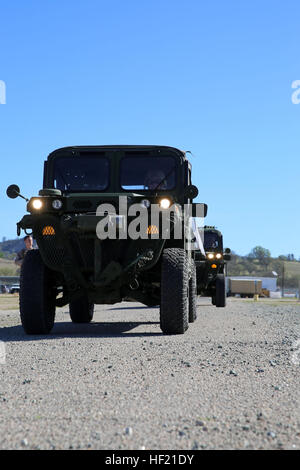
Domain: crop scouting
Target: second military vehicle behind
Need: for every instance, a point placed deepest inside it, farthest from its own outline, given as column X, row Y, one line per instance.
column 210, row 266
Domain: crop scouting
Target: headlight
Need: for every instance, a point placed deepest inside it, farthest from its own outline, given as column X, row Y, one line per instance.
column 210, row 256
column 37, row 204
column 146, row 203
column 218, row 256
column 164, row 203
column 57, row 204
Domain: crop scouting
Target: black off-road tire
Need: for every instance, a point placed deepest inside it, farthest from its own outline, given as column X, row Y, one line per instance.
column 220, row 291
column 193, row 294
column 81, row 310
column 37, row 295
column 174, row 292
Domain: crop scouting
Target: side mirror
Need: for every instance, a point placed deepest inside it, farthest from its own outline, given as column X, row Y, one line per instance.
column 227, row 257
column 199, row 210
column 13, row 191
column 191, row 191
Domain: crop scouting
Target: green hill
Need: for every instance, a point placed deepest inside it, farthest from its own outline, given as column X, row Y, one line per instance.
column 248, row 266
column 9, row 248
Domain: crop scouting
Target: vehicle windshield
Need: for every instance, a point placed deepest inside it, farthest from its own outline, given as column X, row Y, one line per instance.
column 148, row 173
column 81, row 174
column 212, row 242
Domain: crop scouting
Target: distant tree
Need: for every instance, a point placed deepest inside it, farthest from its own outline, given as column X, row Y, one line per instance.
column 289, row 257
column 263, row 255
column 1, row 254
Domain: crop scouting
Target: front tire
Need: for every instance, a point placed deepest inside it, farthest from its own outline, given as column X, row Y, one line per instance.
column 174, row 292
column 81, row 310
column 37, row 295
column 220, row 291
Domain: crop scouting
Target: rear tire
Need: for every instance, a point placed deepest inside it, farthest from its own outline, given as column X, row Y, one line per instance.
column 174, row 292
column 81, row 310
column 193, row 294
column 37, row 295
column 220, row 291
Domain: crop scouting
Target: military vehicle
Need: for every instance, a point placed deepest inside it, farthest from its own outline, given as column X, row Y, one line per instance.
column 81, row 221
column 210, row 266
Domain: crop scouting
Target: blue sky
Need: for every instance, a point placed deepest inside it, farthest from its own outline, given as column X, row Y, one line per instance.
column 214, row 78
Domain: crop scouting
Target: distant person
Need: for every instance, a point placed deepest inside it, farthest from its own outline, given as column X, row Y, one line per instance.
column 21, row 254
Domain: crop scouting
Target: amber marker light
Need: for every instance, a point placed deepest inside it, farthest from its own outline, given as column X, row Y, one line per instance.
column 214, row 266
column 48, row 230
column 152, row 230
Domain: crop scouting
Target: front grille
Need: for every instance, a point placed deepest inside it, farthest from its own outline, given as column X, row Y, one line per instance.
column 52, row 251
column 53, row 254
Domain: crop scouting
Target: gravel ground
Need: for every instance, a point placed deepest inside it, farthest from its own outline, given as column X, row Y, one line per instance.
column 231, row 382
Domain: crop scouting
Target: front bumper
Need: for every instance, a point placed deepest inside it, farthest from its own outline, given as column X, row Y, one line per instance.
column 69, row 245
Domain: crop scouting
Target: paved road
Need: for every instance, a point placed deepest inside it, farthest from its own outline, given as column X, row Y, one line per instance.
column 231, row 382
